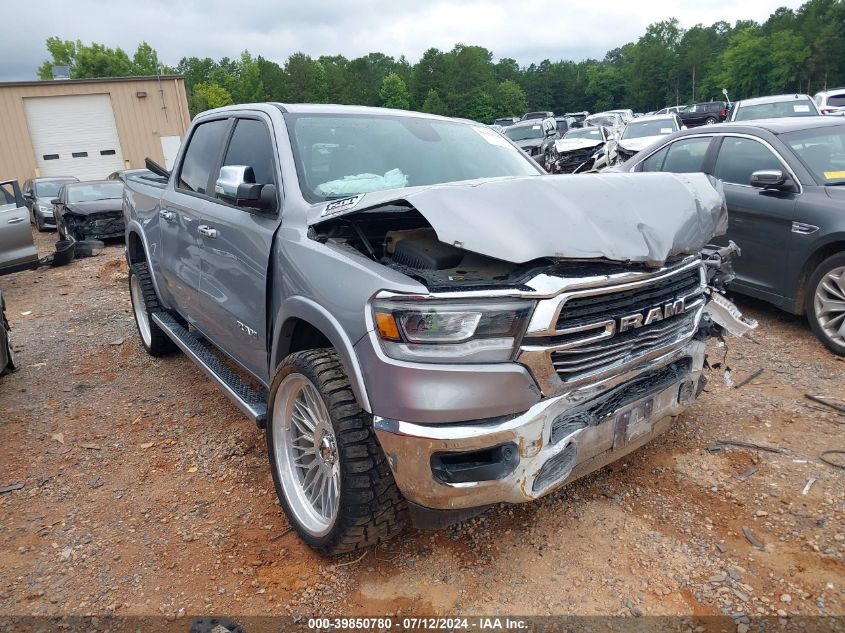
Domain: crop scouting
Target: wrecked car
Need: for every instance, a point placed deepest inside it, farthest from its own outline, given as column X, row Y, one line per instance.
column 535, row 137
column 583, row 149
column 644, row 131
column 425, row 324
column 89, row 210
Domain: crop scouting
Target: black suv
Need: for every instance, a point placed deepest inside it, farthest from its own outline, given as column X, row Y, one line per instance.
column 784, row 183
column 704, row 113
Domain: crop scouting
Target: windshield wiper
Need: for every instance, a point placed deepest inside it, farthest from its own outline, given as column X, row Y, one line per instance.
column 841, row 183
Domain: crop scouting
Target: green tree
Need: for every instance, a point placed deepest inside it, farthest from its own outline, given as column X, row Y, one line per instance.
column 209, row 95
column 480, row 107
column 145, row 60
column 433, row 104
column 305, row 80
column 394, row 93
column 510, row 99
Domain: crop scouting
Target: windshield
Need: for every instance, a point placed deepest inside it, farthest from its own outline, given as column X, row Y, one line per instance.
column 792, row 107
column 48, row 188
column 88, row 192
column 585, row 132
column 822, row 151
column 523, row 132
column 609, row 121
column 340, row 155
column 642, row 129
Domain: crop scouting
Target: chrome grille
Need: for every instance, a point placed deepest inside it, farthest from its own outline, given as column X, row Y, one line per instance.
column 570, row 363
column 595, row 330
column 585, row 309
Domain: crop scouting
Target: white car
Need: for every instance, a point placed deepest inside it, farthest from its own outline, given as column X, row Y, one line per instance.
column 774, row 107
column 643, row 131
column 671, row 109
column 831, row 101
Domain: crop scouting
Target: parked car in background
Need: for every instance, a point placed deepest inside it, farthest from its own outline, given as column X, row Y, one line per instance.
column 784, row 183
column 37, row 194
column 564, row 124
column 506, row 121
column 831, row 101
column 772, row 107
column 581, row 149
column 704, row 113
column 535, row 137
column 123, row 174
column 90, row 210
column 611, row 120
column 671, row 109
column 626, row 114
column 577, row 117
column 17, row 249
column 643, row 131
column 538, row 115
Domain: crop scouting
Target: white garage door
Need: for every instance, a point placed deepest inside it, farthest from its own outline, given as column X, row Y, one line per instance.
column 74, row 136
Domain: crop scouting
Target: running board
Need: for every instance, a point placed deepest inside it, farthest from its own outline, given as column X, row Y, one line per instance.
column 249, row 400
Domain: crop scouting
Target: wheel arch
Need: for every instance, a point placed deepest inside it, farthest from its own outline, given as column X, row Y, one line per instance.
column 304, row 324
column 817, row 256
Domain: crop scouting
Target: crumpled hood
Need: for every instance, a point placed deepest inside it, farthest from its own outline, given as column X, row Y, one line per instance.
column 95, row 206
column 565, row 145
column 643, row 217
column 637, row 144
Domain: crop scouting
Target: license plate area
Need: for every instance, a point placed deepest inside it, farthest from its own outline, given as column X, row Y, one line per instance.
column 637, row 421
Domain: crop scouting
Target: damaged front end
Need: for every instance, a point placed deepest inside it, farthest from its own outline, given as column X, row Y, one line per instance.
column 596, row 290
column 104, row 225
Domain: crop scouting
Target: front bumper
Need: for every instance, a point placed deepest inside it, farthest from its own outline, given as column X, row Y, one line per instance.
column 96, row 226
column 544, row 464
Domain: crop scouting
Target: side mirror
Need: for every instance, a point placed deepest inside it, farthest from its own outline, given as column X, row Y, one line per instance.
column 55, row 201
column 770, row 179
column 236, row 185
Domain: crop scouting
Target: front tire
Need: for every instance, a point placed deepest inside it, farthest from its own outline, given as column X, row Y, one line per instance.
column 330, row 474
column 825, row 303
column 144, row 303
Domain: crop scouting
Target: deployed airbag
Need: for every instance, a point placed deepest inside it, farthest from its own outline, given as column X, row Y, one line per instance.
column 643, row 217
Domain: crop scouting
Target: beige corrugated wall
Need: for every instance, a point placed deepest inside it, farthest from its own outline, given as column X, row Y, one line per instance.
column 140, row 121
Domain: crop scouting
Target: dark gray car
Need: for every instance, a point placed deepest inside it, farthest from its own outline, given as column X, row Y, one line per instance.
column 37, row 194
column 536, row 138
column 90, row 210
column 784, row 183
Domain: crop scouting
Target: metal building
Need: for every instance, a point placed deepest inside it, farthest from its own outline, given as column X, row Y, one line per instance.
column 89, row 128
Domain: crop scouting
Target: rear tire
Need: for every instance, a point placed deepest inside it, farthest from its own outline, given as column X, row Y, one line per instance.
column 710, row 120
column 825, row 303
column 317, row 432
column 144, row 303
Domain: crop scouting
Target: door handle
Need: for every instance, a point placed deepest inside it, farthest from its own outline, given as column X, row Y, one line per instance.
column 207, row 231
column 167, row 215
column 14, row 221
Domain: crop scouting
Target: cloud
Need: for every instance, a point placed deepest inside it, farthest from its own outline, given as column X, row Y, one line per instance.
column 529, row 31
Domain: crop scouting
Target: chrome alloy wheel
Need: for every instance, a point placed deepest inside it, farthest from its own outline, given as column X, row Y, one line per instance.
column 140, row 309
column 306, row 454
column 829, row 305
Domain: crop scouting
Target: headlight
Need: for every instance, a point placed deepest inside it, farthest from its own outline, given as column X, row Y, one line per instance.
column 45, row 209
column 451, row 332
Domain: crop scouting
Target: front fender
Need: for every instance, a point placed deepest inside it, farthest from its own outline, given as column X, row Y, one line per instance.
column 299, row 307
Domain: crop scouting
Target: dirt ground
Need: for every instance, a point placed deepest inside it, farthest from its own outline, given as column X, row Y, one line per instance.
column 145, row 492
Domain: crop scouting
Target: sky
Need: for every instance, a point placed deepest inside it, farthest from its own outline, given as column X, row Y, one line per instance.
column 526, row 30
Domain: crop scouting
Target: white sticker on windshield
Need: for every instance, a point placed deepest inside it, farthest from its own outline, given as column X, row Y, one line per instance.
column 338, row 206
column 491, row 136
column 666, row 130
column 535, row 127
column 801, row 108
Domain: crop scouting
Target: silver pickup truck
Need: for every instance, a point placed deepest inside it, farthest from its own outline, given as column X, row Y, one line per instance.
column 424, row 322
